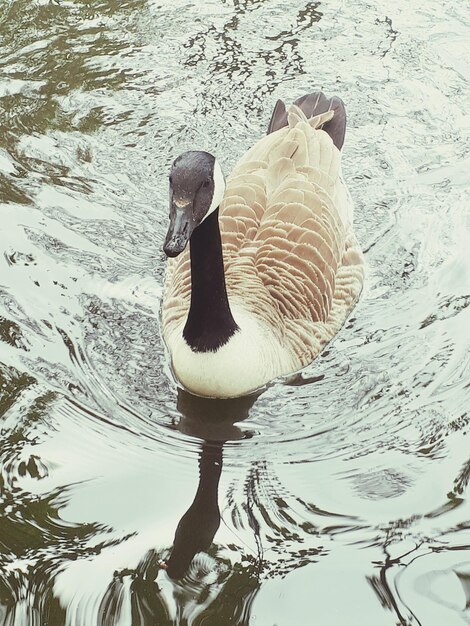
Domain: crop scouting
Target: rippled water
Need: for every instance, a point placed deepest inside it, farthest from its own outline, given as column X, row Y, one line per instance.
column 341, row 499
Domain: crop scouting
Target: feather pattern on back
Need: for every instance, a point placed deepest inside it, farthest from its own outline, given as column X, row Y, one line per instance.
column 292, row 261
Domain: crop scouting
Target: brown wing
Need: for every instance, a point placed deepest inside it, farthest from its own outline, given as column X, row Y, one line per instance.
column 303, row 262
column 301, row 236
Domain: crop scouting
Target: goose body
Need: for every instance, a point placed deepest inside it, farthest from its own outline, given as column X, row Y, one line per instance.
column 273, row 267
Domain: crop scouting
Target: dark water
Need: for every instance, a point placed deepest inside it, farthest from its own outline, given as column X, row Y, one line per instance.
column 340, row 500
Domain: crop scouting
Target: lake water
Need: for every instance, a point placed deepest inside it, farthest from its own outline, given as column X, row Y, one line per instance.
column 342, row 499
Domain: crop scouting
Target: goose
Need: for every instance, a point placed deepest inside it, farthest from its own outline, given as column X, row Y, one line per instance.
column 273, row 266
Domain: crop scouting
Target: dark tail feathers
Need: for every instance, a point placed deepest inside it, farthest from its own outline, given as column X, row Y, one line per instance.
column 314, row 104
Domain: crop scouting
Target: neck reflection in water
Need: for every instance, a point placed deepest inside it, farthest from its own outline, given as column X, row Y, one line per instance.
column 198, row 526
column 213, row 421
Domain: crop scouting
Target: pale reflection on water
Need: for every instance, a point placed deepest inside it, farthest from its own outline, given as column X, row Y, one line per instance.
column 339, row 499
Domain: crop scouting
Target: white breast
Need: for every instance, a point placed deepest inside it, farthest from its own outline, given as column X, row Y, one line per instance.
column 252, row 357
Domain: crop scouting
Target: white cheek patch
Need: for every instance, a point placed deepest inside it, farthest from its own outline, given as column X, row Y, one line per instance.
column 219, row 189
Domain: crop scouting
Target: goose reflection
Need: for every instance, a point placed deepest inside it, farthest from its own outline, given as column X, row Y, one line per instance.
column 213, row 421
column 198, row 526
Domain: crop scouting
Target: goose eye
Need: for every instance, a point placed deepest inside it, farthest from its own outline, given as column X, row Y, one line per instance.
column 206, row 183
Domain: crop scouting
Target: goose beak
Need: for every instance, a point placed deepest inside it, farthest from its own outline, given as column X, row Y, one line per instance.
column 180, row 230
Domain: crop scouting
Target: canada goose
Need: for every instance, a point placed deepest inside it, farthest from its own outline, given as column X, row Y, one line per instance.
column 273, row 266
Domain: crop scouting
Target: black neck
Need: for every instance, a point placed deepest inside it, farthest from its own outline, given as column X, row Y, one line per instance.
column 210, row 323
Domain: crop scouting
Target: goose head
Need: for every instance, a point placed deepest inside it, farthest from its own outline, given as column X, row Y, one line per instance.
column 197, row 187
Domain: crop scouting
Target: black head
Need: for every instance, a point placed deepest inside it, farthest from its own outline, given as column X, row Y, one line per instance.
column 196, row 189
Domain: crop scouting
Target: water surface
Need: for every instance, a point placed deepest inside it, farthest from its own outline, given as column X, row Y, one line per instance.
column 341, row 499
